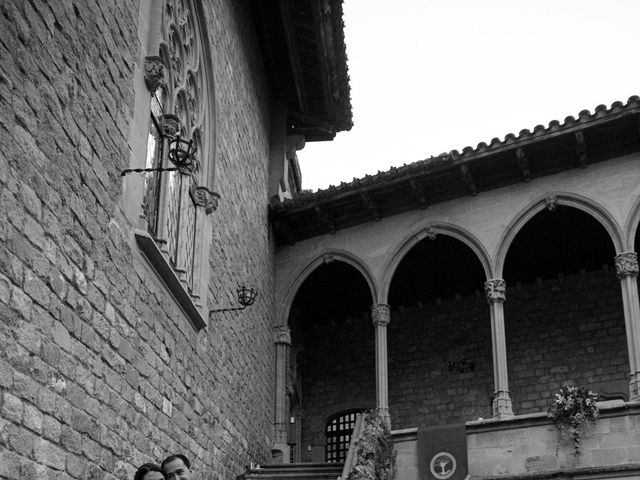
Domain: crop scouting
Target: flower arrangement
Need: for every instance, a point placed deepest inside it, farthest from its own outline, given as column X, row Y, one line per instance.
column 375, row 455
column 572, row 410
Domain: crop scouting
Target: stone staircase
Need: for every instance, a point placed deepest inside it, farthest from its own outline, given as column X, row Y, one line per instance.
column 295, row 471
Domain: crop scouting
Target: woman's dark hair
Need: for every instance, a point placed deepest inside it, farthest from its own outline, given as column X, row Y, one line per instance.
column 146, row 468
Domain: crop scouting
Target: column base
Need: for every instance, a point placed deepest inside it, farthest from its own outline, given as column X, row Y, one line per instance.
column 280, row 453
column 384, row 414
column 502, row 408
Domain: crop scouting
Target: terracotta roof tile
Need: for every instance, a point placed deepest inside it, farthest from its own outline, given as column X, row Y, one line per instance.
column 539, row 131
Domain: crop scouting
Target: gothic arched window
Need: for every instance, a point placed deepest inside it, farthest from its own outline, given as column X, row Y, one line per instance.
column 176, row 199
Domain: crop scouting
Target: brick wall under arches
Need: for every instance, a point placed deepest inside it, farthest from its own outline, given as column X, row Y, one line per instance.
column 567, row 330
column 423, row 340
column 557, row 332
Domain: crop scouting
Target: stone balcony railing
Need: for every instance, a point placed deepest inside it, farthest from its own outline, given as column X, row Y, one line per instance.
column 529, row 446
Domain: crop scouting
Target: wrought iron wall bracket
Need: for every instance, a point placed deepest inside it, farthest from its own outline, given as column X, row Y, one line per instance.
column 226, row 310
column 246, row 297
column 145, row 170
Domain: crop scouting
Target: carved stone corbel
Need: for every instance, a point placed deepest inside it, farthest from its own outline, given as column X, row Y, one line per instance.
column 203, row 197
column 551, row 202
column 154, row 73
column 282, row 335
column 327, row 258
column 170, row 124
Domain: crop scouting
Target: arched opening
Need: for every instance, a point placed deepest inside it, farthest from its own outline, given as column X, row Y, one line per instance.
column 332, row 361
column 338, row 430
column 439, row 338
column 564, row 319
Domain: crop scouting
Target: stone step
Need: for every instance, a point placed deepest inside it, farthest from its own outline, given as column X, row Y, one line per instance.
column 296, row 471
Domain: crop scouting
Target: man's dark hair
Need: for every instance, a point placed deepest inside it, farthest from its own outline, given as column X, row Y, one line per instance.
column 177, row 456
column 146, row 468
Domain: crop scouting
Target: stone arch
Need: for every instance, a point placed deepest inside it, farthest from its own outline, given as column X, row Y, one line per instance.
column 330, row 255
column 424, row 232
column 552, row 200
column 632, row 226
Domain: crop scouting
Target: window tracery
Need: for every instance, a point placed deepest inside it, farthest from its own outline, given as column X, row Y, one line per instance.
column 176, row 199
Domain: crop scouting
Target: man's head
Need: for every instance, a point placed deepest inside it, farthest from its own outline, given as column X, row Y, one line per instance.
column 177, row 467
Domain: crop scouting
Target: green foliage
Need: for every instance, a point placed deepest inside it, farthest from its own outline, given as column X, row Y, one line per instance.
column 375, row 455
column 572, row 410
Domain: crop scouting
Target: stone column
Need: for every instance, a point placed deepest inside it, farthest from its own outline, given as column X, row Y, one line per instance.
column 495, row 290
column 282, row 339
column 627, row 271
column 380, row 315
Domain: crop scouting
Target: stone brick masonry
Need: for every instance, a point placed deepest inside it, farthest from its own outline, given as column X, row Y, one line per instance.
column 99, row 369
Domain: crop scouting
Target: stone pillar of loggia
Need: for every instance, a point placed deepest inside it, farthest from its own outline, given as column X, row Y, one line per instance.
column 495, row 291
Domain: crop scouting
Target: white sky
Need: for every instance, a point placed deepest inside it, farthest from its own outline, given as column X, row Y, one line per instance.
column 431, row 76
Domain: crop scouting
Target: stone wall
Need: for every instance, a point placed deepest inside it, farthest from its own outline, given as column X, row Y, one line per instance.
column 558, row 332
column 422, row 342
column 568, row 330
column 338, row 374
column 531, row 448
column 100, row 370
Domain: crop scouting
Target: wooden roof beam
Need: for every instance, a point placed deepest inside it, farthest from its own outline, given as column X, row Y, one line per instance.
column 371, row 205
column 284, row 231
column 294, row 57
column 581, row 149
column 468, row 180
column 325, row 216
column 523, row 165
column 419, row 193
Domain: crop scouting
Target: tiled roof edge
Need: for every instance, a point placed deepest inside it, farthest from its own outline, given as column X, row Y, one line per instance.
column 343, row 94
column 539, row 131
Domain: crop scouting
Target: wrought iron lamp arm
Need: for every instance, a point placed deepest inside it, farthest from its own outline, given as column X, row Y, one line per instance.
column 246, row 297
column 227, row 309
column 141, row 170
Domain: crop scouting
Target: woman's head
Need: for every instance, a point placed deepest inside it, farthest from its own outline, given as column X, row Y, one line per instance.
column 149, row 471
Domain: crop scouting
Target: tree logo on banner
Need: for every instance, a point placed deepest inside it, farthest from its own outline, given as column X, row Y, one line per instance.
column 443, row 465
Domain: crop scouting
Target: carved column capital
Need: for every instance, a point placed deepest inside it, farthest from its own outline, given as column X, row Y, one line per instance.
column 154, row 73
column 496, row 290
column 282, row 335
column 380, row 314
column 627, row 265
column 203, row 197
